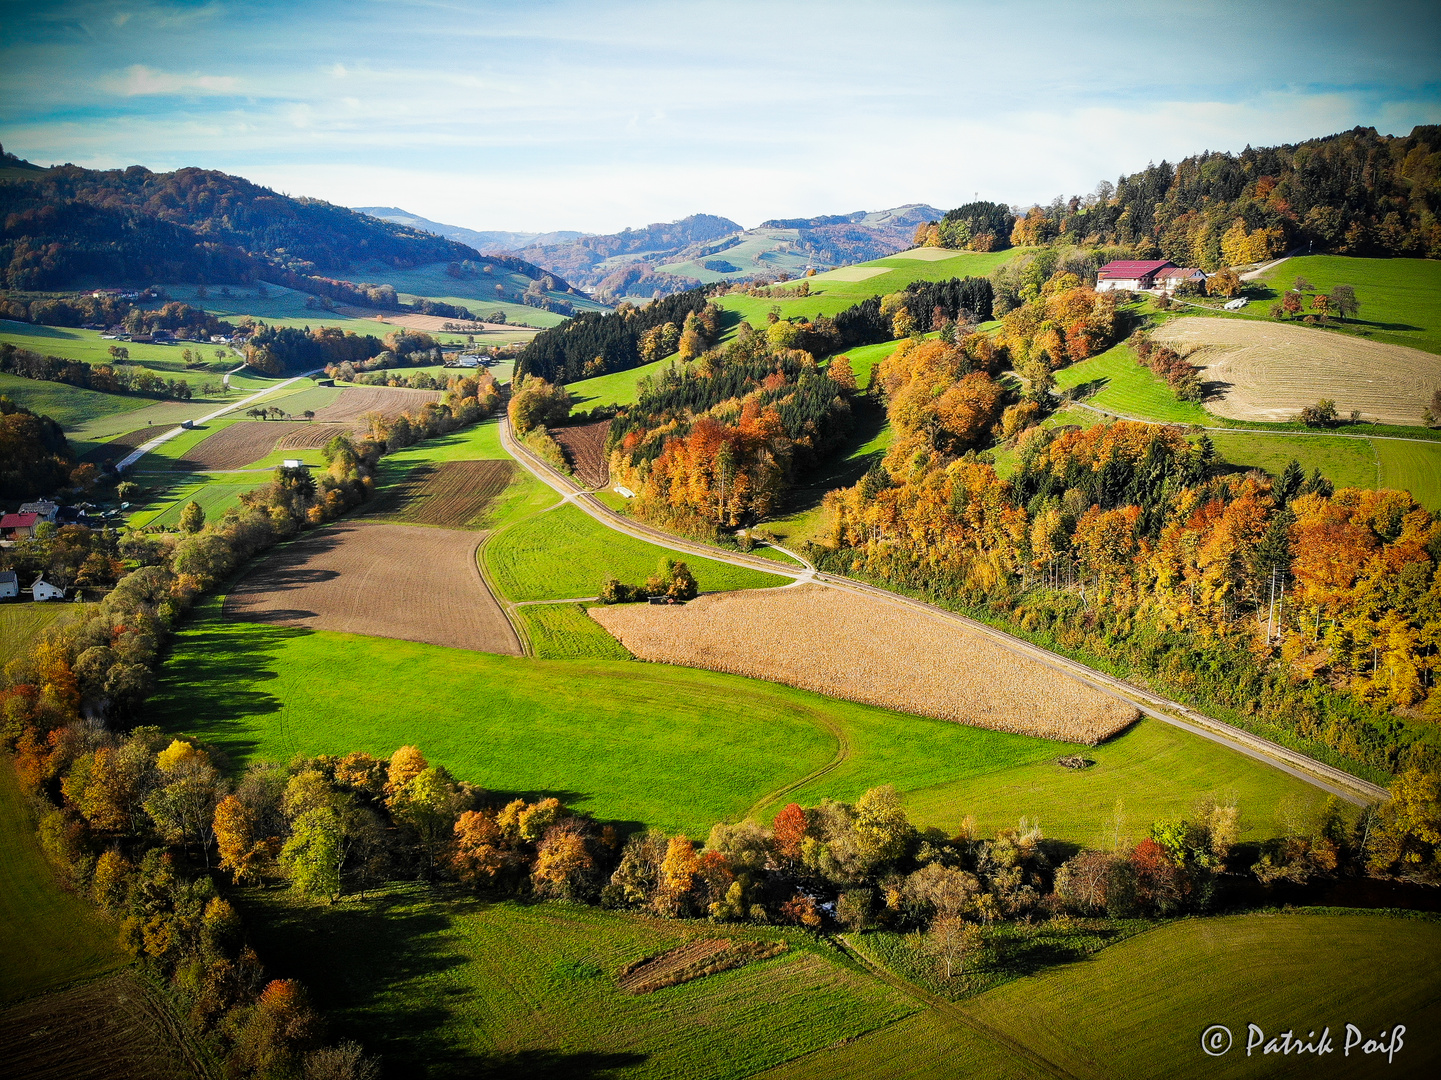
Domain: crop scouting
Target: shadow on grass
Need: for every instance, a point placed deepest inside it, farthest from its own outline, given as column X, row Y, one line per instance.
column 846, row 466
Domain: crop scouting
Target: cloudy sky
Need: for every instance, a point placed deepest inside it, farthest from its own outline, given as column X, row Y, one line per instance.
column 551, row 114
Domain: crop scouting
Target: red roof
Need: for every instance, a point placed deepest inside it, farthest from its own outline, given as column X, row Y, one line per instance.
column 1177, row 271
column 1130, row 268
column 18, row 521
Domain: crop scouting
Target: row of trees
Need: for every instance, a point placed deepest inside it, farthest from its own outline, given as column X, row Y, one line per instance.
column 102, row 377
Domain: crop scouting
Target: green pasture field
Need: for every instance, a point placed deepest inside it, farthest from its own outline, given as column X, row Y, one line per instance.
column 88, row 347
column 670, row 747
column 1127, row 387
column 1414, row 467
column 445, row 986
column 22, row 621
column 617, row 388
column 865, row 358
column 70, row 406
column 214, row 493
column 565, row 553
column 566, row 632
column 1345, row 462
column 477, row 294
column 48, row 937
column 304, row 397
column 1400, row 298
column 1147, row 999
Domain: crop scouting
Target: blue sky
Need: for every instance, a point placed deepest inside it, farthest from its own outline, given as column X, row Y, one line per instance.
column 551, row 114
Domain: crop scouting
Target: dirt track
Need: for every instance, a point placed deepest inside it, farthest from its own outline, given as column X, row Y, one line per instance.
column 390, row 401
column 866, row 650
column 108, row 1029
column 1269, row 371
column 367, row 577
column 584, row 447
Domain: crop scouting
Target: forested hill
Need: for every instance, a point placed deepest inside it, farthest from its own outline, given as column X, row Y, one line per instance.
column 484, row 242
column 574, row 259
column 68, row 224
column 1355, row 193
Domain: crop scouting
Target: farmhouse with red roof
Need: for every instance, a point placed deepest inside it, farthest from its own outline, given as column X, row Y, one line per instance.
column 1137, row 275
column 18, row 526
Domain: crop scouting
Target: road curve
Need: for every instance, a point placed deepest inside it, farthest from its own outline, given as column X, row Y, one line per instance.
column 1331, row 780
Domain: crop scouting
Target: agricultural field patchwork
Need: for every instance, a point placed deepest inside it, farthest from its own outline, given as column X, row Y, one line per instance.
column 1269, row 372
column 1400, row 298
column 233, row 446
column 452, row 494
column 869, row 650
column 565, row 631
column 355, row 401
column 393, row 581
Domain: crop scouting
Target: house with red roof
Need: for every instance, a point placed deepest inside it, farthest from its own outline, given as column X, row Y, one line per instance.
column 18, row 526
column 1138, row 275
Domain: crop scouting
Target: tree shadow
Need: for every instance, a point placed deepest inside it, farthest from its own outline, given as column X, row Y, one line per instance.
column 845, row 466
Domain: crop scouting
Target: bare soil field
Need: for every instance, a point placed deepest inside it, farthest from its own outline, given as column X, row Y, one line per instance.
column 390, row 401
column 121, row 445
column 865, row 649
column 584, row 446
column 115, row 1027
column 236, row 446
column 369, row 577
column 453, row 495
column 1268, row 371
column 693, row 960
column 311, row 436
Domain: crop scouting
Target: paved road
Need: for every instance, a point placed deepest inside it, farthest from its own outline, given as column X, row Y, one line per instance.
column 1331, row 780
column 145, row 448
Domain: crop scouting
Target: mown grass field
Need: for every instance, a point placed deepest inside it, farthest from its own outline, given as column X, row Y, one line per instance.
column 1119, row 383
column 617, row 388
column 69, row 406
column 565, row 553
column 48, row 937
column 1345, row 462
column 1415, row 467
column 21, row 621
column 1400, row 298
column 213, row 494
column 448, row 987
column 88, row 347
column 565, row 632
column 672, row 747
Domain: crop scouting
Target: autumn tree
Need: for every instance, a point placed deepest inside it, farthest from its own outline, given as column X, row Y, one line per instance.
column 953, row 942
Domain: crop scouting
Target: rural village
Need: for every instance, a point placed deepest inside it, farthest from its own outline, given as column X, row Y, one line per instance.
column 999, row 639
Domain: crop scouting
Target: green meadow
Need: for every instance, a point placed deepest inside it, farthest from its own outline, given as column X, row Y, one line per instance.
column 1117, row 382
column 88, row 347
column 48, row 937
column 1400, row 298
column 564, row 632
column 617, row 388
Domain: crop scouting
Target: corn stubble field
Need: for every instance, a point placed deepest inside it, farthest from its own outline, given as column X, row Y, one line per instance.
column 862, row 649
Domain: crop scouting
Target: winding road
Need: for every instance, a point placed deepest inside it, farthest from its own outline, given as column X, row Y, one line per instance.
column 1331, row 780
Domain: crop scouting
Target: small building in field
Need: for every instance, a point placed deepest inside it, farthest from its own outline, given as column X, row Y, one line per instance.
column 18, row 526
column 1168, row 277
column 42, row 590
column 9, row 585
column 293, row 463
column 43, row 507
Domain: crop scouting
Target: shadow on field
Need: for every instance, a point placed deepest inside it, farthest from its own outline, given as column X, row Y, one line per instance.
column 551, row 1065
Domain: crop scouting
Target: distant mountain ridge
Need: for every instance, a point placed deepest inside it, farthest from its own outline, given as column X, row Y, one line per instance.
column 485, row 242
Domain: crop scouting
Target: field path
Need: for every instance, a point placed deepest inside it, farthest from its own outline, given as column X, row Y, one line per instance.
column 843, row 752
column 1309, row 433
column 1329, row 779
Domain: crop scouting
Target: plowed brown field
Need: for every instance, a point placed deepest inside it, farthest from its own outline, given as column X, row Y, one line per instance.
column 116, row 1027
column 865, row 649
column 369, row 577
column 390, row 401
column 584, row 447
column 693, row 960
column 453, row 495
column 121, row 445
column 234, row 447
column 1269, row 371
column 310, row 436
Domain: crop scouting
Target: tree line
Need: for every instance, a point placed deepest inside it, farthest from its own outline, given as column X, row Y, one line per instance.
column 105, row 378
column 35, row 456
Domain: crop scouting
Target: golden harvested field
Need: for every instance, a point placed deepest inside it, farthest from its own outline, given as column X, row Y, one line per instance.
column 236, row 446
column 310, row 436
column 453, row 494
column 584, row 447
column 390, row 401
column 1268, row 371
column 367, row 577
column 868, row 650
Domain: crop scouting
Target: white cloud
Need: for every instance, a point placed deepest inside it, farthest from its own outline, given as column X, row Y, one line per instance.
column 140, row 80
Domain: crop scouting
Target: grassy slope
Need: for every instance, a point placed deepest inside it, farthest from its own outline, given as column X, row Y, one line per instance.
column 22, row 621
column 1122, row 385
column 68, row 405
column 462, row 988
column 1400, row 298
column 566, row 553
column 88, row 347
column 1345, row 462
column 1138, row 1008
column 1415, row 467
column 617, row 388
column 48, row 937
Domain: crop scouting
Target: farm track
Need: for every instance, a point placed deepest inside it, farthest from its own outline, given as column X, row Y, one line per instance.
column 1308, row 434
column 843, row 753
column 1329, row 779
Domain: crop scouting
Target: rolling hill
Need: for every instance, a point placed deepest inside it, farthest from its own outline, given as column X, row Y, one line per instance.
column 481, row 241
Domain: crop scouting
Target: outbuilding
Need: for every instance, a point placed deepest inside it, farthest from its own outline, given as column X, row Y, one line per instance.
column 43, row 507
column 42, row 590
column 9, row 585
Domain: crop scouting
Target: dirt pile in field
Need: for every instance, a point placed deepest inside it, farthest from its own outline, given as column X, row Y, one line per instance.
column 693, row 960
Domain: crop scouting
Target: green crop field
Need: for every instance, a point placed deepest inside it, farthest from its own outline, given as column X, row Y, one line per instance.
column 1400, row 298
column 565, row 631
column 448, row 987
column 672, row 747
column 1146, row 1000
column 48, row 937
column 215, row 494
column 1345, row 462
column 565, row 553
column 1121, row 384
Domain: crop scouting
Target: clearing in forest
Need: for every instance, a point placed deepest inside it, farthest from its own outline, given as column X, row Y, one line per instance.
column 584, row 446
column 452, row 494
column 390, row 401
column 394, row 581
column 868, row 650
column 1269, row 371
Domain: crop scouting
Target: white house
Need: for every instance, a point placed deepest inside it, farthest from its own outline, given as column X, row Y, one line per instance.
column 43, row 590
column 1168, row 277
column 9, row 585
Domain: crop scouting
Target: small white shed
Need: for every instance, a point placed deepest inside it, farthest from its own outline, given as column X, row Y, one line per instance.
column 9, row 585
column 43, row 590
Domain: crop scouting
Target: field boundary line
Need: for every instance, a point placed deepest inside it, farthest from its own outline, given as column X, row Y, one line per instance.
column 1332, row 780
column 1255, row 431
column 953, row 1012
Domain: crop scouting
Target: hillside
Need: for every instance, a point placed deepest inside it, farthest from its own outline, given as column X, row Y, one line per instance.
column 481, row 241
column 702, row 249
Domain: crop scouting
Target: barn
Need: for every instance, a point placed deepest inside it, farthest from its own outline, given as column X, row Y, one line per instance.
column 18, row 526
column 1139, row 275
column 43, row 590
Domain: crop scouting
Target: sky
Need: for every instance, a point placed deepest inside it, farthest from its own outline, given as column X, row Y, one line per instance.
column 596, row 116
